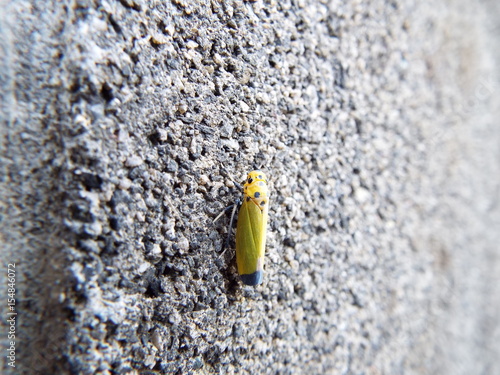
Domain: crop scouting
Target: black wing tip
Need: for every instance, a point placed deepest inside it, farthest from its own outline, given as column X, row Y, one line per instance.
column 253, row 279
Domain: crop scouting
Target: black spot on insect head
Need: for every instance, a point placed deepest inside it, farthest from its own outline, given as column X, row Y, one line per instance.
column 257, row 194
column 248, row 199
column 263, row 203
column 250, row 180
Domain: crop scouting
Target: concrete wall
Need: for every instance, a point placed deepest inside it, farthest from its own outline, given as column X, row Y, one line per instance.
column 126, row 123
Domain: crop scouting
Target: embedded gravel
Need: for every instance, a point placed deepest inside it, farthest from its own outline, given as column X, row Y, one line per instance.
column 125, row 125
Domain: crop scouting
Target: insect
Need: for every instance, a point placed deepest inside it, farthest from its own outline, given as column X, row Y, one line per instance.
column 251, row 229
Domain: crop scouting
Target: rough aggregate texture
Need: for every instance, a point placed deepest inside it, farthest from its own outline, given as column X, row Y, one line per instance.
column 125, row 125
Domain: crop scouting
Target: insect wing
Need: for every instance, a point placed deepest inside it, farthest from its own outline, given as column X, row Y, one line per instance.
column 251, row 241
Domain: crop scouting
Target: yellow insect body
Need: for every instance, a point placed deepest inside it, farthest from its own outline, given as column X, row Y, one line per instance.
column 251, row 229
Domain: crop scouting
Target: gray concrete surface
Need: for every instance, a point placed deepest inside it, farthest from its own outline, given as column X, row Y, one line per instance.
column 125, row 124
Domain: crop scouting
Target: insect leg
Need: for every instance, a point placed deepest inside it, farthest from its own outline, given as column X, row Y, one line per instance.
column 231, row 222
